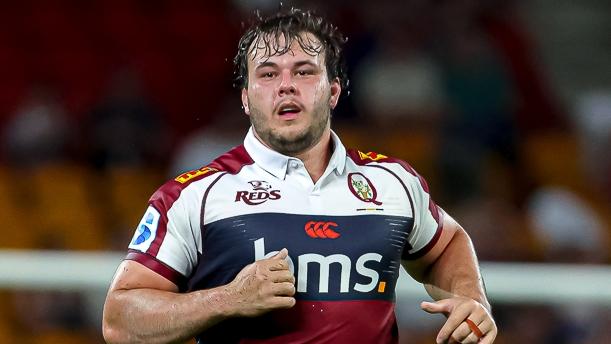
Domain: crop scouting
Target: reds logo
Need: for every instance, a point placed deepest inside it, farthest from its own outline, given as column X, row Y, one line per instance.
column 261, row 193
column 321, row 229
column 260, row 185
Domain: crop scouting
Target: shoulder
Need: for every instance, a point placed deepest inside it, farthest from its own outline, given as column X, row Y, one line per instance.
column 202, row 178
column 230, row 162
column 373, row 158
column 400, row 168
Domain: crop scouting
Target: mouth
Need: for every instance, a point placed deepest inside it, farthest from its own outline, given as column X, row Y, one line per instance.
column 289, row 110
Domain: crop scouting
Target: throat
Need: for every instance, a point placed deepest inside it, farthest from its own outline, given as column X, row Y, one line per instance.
column 317, row 158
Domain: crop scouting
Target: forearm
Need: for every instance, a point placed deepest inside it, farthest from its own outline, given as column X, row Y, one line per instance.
column 456, row 272
column 156, row 316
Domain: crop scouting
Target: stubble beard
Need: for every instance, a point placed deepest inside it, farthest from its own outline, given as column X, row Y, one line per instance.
column 293, row 144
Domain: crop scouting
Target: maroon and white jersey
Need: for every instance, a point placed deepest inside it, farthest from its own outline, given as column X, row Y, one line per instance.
column 346, row 235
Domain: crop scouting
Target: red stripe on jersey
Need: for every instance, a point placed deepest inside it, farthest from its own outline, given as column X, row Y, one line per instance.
column 162, row 200
column 167, row 194
column 356, row 157
column 159, row 267
column 233, row 161
column 315, row 322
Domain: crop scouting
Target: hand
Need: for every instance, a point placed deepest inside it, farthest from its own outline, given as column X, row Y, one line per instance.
column 456, row 329
column 263, row 286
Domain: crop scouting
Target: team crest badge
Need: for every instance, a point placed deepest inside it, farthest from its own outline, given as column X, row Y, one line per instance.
column 362, row 188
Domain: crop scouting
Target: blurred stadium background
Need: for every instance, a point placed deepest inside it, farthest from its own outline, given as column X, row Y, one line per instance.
column 504, row 106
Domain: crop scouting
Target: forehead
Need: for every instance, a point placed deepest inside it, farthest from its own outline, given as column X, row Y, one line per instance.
column 269, row 46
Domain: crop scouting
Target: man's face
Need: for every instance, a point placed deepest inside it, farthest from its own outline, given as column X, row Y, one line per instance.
column 289, row 97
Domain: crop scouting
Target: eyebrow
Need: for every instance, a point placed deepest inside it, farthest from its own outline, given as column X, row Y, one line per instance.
column 297, row 64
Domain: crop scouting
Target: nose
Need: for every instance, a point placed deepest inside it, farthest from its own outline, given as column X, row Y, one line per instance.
column 287, row 85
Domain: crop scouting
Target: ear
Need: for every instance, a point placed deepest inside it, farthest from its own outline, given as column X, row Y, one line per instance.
column 245, row 101
column 336, row 90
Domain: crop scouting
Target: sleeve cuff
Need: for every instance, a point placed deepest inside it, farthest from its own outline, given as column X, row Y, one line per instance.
column 424, row 250
column 158, row 267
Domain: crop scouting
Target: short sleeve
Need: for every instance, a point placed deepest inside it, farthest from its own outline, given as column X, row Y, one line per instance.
column 166, row 239
column 428, row 219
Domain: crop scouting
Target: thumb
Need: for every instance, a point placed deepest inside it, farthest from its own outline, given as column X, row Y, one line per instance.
column 441, row 306
column 281, row 255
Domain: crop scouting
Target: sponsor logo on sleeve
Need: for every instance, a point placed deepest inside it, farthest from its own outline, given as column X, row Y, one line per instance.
column 185, row 177
column 371, row 156
column 146, row 231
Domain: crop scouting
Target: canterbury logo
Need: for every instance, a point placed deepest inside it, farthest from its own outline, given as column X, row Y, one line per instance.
column 321, row 229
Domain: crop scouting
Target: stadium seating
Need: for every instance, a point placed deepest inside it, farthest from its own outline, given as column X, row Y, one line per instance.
column 64, row 208
column 15, row 211
column 129, row 190
column 553, row 158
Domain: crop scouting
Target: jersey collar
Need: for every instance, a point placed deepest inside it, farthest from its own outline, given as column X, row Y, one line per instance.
column 277, row 164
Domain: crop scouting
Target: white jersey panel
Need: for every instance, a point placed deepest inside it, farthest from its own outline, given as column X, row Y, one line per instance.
column 235, row 195
column 183, row 238
column 425, row 224
column 182, row 234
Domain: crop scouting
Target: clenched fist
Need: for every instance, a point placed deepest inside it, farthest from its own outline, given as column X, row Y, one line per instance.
column 263, row 286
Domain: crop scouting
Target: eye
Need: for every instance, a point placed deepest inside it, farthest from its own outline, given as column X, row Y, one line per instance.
column 304, row 72
column 267, row 75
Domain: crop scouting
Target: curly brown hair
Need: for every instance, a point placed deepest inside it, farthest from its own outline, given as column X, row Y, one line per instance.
column 290, row 26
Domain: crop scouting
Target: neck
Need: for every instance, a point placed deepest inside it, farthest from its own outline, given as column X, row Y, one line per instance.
column 317, row 157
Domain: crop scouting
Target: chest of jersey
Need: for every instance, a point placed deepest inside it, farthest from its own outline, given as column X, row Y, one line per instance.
column 345, row 234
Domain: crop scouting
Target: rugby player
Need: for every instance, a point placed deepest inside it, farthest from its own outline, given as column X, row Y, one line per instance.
column 291, row 237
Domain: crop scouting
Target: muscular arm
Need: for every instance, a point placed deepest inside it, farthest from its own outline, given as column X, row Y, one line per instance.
column 451, row 267
column 450, row 274
column 144, row 307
